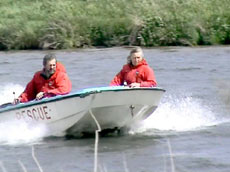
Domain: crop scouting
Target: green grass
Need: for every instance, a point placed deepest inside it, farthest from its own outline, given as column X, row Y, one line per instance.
column 58, row 24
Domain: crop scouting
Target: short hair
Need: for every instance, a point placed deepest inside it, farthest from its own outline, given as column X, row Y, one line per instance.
column 135, row 50
column 48, row 57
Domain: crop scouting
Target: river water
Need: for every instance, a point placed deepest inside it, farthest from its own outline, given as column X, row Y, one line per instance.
column 189, row 131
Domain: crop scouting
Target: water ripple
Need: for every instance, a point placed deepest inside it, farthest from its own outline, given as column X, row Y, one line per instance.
column 188, row 69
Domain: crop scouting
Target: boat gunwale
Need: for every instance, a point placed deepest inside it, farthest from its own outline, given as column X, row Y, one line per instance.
column 82, row 94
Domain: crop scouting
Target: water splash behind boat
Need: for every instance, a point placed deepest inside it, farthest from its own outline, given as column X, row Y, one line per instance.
column 15, row 132
column 7, row 90
column 179, row 114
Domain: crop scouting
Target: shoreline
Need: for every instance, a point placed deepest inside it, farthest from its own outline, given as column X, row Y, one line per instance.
column 114, row 47
column 55, row 24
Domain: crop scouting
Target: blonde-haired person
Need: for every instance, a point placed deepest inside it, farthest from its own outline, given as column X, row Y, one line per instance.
column 136, row 73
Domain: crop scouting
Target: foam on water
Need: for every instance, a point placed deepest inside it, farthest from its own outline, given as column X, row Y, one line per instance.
column 15, row 132
column 179, row 114
column 7, row 90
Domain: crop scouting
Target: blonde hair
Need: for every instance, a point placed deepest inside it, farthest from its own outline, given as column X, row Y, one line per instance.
column 134, row 50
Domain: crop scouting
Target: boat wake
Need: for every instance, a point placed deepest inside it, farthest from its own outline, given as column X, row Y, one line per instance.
column 178, row 114
column 13, row 133
column 7, row 92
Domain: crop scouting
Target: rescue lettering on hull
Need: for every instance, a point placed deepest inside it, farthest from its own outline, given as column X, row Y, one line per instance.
column 36, row 113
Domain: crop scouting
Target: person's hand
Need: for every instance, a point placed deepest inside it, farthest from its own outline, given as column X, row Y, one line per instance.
column 134, row 85
column 40, row 95
column 16, row 101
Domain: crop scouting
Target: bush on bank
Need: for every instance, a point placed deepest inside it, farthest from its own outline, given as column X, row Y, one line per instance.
column 58, row 24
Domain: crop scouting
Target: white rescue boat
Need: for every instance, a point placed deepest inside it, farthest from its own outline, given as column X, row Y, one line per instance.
column 87, row 110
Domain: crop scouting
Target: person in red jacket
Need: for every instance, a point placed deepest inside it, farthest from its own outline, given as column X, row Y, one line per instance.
column 136, row 73
column 50, row 81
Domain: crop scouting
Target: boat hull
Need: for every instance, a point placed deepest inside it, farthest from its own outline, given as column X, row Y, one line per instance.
column 79, row 112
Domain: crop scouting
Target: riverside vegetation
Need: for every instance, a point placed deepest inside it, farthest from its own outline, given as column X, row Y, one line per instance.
column 59, row 24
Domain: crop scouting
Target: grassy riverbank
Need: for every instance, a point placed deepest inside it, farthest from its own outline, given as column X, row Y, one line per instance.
column 58, row 24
